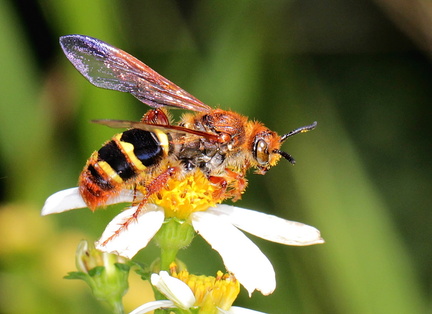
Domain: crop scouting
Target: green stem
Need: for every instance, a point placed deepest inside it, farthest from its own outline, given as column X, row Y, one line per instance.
column 173, row 236
column 116, row 306
column 168, row 255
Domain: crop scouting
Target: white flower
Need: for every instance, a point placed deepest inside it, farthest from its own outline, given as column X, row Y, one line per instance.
column 125, row 235
column 179, row 295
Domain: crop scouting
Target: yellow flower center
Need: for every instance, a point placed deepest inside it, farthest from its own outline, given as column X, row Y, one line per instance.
column 210, row 292
column 180, row 198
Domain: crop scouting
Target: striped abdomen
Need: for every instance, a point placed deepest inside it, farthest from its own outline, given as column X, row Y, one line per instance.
column 120, row 160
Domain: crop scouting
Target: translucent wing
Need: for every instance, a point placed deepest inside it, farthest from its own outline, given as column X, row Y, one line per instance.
column 152, row 127
column 111, row 68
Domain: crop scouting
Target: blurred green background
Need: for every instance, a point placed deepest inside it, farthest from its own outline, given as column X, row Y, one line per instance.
column 363, row 177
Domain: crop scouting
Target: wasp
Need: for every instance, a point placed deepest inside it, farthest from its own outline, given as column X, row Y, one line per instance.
column 221, row 144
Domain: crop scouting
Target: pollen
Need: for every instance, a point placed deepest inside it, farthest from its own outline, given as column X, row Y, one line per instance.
column 180, row 198
column 211, row 293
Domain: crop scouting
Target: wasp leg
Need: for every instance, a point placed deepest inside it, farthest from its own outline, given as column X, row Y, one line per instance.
column 156, row 116
column 231, row 185
column 157, row 184
column 153, row 187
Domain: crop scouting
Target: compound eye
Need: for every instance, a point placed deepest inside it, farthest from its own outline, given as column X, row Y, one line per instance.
column 261, row 152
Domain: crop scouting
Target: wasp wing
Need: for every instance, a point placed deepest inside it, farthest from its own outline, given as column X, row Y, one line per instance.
column 152, row 127
column 111, row 68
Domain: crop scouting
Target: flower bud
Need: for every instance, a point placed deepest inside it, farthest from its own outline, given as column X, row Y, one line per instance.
column 105, row 273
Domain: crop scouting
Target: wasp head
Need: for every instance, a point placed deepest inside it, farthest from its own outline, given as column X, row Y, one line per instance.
column 266, row 147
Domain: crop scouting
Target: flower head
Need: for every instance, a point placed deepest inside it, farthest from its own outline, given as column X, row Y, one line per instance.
column 201, row 294
column 190, row 201
column 210, row 292
column 181, row 198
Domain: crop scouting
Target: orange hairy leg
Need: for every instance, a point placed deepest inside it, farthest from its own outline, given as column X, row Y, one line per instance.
column 156, row 116
column 150, row 189
column 156, row 185
column 231, row 185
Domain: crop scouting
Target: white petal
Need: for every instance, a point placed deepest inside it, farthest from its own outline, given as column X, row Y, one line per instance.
column 62, row 201
column 127, row 241
column 240, row 255
column 71, row 199
column 269, row 227
column 239, row 310
column 174, row 289
column 125, row 196
column 153, row 305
